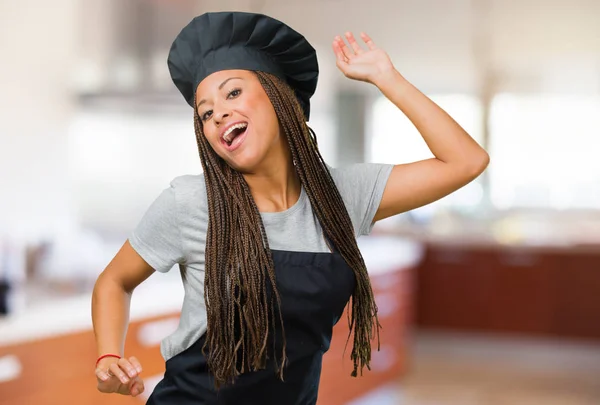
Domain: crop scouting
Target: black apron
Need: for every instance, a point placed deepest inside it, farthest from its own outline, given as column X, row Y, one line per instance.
column 314, row 289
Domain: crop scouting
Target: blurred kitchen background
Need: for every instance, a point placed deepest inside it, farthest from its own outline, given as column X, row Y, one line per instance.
column 489, row 296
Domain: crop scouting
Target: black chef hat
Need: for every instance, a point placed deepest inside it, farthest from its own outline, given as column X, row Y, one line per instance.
column 235, row 40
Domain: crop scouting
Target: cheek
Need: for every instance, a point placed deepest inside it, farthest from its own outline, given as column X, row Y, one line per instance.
column 268, row 117
column 212, row 137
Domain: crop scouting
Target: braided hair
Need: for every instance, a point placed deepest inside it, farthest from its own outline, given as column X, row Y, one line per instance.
column 242, row 302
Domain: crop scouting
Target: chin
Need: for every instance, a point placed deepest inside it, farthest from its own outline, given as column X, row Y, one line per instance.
column 245, row 162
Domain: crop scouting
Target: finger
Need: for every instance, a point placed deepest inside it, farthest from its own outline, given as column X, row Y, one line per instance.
column 136, row 364
column 345, row 50
column 339, row 54
column 102, row 375
column 352, row 41
column 117, row 372
column 340, row 61
column 368, row 41
column 127, row 367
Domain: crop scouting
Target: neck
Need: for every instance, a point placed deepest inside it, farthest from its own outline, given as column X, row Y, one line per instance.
column 275, row 189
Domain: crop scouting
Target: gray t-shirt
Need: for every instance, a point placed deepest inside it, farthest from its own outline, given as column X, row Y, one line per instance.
column 173, row 231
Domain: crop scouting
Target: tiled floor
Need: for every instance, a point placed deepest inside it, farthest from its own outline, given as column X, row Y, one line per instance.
column 451, row 369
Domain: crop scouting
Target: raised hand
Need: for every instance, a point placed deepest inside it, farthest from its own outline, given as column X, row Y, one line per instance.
column 120, row 376
column 367, row 65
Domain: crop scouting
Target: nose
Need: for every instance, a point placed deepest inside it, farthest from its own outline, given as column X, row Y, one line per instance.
column 221, row 114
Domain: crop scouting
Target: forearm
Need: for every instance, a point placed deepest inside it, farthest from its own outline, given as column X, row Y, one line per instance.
column 110, row 316
column 446, row 139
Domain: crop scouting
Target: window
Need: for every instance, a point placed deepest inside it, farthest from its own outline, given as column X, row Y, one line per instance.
column 542, row 151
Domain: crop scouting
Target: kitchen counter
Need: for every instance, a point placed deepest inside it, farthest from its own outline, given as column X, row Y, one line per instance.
column 163, row 294
column 52, row 343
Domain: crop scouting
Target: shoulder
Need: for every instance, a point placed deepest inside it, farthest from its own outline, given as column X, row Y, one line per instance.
column 340, row 173
column 361, row 186
column 189, row 186
column 354, row 177
column 188, row 195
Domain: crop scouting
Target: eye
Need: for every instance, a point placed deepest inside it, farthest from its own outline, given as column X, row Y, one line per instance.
column 234, row 93
column 206, row 115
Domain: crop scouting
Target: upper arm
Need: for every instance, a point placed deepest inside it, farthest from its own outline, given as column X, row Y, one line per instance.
column 127, row 269
column 413, row 185
column 158, row 237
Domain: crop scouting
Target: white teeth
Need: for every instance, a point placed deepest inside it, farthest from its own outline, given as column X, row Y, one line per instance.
column 227, row 133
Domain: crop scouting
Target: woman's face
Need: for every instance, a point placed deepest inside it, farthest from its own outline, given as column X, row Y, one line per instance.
column 239, row 120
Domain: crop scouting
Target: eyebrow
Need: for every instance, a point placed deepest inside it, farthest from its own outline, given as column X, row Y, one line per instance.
column 220, row 87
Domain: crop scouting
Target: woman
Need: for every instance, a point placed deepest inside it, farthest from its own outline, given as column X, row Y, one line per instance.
column 266, row 237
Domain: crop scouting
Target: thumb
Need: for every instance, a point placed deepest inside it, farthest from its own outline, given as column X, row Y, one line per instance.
column 342, row 65
column 136, row 387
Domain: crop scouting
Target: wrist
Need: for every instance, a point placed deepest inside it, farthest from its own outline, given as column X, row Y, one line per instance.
column 388, row 78
column 105, row 360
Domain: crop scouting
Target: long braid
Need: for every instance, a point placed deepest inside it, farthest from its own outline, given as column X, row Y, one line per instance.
column 242, row 301
column 331, row 212
column 235, row 265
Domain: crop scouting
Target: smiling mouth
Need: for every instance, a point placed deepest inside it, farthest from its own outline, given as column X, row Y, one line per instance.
column 233, row 132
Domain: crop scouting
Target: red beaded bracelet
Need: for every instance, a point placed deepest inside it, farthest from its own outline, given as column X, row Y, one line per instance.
column 106, row 355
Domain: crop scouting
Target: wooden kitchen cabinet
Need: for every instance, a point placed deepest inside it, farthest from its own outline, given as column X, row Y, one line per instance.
column 532, row 291
column 48, row 367
column 453, row 289
column 60, row 370
column 522, row 291
column 577, row 307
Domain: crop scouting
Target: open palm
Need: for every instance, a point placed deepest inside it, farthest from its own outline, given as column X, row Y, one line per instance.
column 361, row 64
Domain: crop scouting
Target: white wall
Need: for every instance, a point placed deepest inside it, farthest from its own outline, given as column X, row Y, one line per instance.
column 37, row 43
column 551, row 43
